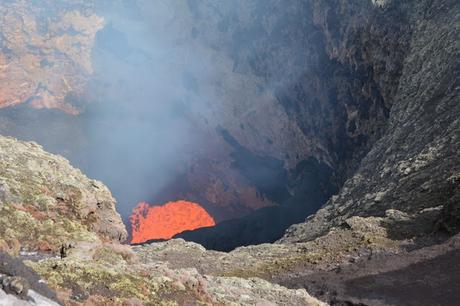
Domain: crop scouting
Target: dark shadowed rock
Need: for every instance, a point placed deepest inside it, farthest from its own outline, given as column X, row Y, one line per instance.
column 414, row 166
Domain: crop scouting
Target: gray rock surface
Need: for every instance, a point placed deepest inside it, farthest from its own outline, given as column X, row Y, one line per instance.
column 415, row 165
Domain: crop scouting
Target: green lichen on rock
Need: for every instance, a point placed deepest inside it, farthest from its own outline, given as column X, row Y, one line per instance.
column 114, row 278
column 355, row 236
column 90, row 278
column 45, row 202
column 32, row 233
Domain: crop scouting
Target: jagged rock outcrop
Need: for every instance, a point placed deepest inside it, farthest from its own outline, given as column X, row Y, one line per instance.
column 46, row 204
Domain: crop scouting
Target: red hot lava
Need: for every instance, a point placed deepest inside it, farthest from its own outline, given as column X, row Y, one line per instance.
column 165, row 221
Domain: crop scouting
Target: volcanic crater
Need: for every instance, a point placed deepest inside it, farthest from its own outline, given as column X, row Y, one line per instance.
column 261, row 152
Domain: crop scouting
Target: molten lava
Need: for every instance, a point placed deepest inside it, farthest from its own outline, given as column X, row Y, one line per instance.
column 163, row 222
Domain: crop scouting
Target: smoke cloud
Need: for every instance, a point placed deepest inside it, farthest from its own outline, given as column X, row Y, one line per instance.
column 170, row 78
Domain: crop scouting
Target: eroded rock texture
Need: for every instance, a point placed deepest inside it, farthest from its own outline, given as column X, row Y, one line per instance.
column 45, row 54
column 414, row 167
column 310, row 99
column 47, row 205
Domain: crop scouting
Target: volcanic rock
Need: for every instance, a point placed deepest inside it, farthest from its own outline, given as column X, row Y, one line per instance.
column 112, row 279
column 361, row 253
column 413, row 167
column 44, row 201
column 47, row 68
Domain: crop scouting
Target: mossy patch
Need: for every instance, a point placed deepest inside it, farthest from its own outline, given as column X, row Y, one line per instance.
column 89, row 278
column 327, row 250
column 42, row 186
column 34, row 232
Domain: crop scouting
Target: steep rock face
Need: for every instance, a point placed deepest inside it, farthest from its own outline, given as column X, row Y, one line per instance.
column 414, row 167
column 331, row 71
column 305, row 54
column 45, row 203
column 327, row 76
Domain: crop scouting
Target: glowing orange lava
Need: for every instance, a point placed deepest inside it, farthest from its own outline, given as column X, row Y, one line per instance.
column 163, row 222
